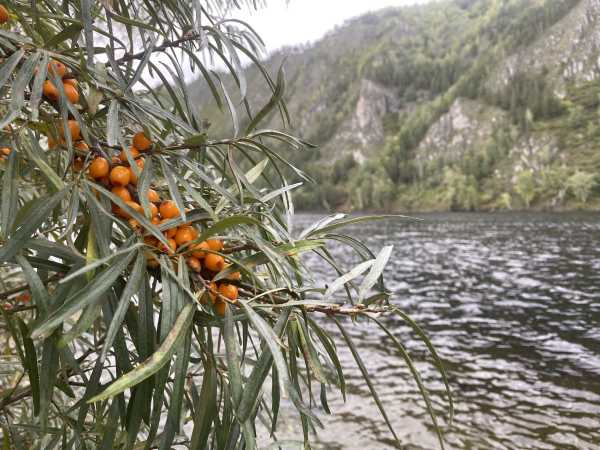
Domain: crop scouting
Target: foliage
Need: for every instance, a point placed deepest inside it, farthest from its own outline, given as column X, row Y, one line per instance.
column 146, row 324
column 525, row 186
column 460, row 190
column 581, row 184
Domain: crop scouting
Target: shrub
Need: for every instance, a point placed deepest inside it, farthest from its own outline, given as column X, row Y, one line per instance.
column 581, row 184
column 150, row 275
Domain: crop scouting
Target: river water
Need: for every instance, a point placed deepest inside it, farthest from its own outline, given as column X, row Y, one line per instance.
column 512, row 303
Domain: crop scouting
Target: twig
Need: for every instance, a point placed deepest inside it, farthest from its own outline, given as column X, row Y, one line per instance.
column 165, row 45
column 24, row 287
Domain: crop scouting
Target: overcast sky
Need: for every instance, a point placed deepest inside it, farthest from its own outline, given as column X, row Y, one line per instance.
column 303, row 21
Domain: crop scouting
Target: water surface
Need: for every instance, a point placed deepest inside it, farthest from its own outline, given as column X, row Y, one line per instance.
column 511, row 302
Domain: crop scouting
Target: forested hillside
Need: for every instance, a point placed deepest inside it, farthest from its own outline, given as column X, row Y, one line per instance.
column 464, row 105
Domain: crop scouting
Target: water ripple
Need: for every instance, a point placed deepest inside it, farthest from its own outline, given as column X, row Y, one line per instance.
column 512, row 304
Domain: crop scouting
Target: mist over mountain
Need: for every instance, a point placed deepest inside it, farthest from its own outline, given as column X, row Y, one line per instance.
column 463, row 105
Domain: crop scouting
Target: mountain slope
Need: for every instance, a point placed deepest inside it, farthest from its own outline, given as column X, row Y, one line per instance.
column 472, row 104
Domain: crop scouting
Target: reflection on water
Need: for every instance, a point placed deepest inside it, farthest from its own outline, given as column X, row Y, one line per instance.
column 512, row 304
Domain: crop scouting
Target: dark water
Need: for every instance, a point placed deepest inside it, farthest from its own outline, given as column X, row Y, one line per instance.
column 512, row 303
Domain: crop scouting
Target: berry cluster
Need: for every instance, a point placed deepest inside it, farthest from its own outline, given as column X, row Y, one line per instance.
column 202, row 258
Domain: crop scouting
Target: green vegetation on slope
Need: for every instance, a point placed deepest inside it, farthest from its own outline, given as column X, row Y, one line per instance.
column 385, row 97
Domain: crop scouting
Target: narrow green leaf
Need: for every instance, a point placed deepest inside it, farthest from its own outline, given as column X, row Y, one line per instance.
column 338, row 283
column 37, row 88
column 233, row 358
column 110, row 427
column 35, row 217
column 173, row 187
column 100, row 262
column 31, row 366
column 131, row 288
column 39, row 294
column 416, row 377
column 352, row 221
column 70, row 32
column 205, row 408
column 438, row 361
column 272, row 103
column 375, row 272
column 48, row 373
column 366, row 377
column 86, row 18
column 113, row 127
column 156, row 361
column 35, row 154
column 9, row 195
column 8, row 68
column 17, row 98
column 88, row 295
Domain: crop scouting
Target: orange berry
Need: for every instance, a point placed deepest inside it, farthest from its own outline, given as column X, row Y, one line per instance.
column 5, row 151
column 155, row 220
column 194, row 232
column 229, row 291
column 71, row 93
column 199, row 250
column 99, row 168
column 234, row 276
column 168, row 209
column 123, row 155
column 184, row 235
column 50, row 91
column 194, row 264
column 153, row 196
column 135, row 206
column 141, row 142
column 170, row 232
column 216, row 245
column 172, row 246
column 122, row 192
column 4, row 17
column 125, row 214
column 57, row 68
column 73, row 128
column 82, row 146
column 120, row 176
column 153, row 210
column 214, row 263
column 71, row 82
column 221, row 308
